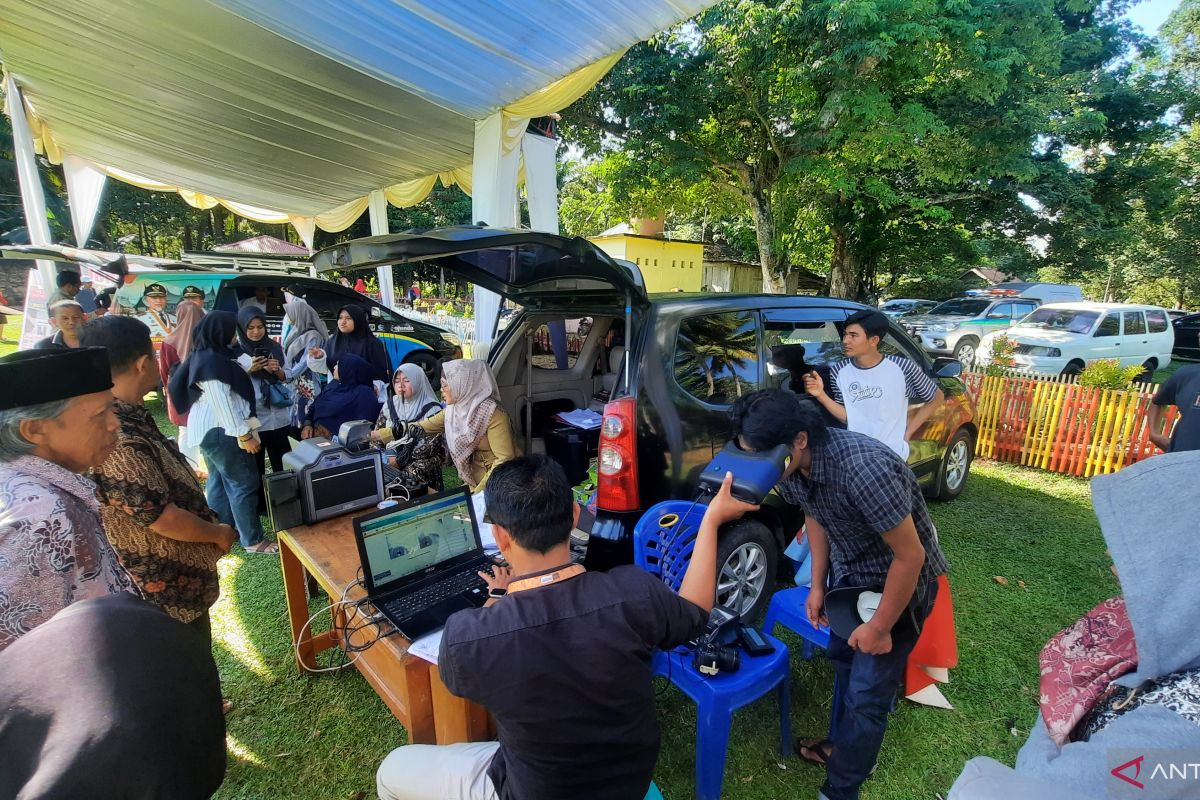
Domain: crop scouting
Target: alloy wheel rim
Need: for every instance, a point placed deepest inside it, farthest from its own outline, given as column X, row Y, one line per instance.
column 956, row 465
column 743, row 578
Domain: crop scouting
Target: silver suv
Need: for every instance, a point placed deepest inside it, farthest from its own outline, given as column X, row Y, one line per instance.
column 955, row 327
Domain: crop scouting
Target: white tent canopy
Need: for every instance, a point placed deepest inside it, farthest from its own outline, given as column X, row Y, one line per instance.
column 296, row 111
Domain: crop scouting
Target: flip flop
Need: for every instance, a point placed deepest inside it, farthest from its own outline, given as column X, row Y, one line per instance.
column 815, row 751
column 263, row 548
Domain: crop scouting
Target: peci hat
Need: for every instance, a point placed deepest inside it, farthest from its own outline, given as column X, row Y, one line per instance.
column 851, row 606
column 154, row 290
column 192, row 291
column 30, row 377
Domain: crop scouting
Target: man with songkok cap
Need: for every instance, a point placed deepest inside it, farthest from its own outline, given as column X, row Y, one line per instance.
column 156, row 317
column 56, row 421
column 66, row 316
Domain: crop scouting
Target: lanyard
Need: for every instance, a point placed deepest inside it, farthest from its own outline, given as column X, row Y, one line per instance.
column 555, row 575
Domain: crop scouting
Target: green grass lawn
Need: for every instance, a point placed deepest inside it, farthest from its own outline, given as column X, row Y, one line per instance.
column 304, row 736
column 307, row 736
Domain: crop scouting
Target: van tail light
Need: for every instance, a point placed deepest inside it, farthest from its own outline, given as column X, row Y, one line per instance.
column 617, row 478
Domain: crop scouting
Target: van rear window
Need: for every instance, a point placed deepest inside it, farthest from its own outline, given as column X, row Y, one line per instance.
column 1156, row 320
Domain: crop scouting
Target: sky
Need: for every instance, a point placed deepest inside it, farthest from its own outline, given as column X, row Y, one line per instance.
column 1150, row 14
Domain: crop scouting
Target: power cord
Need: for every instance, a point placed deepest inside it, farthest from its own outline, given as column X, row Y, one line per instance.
column 352, row 610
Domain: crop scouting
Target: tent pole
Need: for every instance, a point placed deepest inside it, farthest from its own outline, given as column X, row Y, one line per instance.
column 33, row 201
column 377, row 207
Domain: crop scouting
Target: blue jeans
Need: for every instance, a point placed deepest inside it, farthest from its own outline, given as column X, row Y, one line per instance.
column 869, row 689
column 232, row 487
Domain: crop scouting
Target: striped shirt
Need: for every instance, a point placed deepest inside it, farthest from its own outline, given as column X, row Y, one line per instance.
column 218, row 407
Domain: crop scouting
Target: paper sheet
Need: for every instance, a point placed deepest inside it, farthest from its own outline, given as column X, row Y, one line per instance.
column 486, row 537
column 427, row 646
column 583, row 418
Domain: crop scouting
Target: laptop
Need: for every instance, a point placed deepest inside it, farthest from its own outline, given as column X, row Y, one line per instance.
column 420, row 560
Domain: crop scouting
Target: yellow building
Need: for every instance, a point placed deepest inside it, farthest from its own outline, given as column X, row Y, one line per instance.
column 667, row 264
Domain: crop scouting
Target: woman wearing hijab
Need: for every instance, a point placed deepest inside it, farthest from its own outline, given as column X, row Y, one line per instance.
column 350, row 396
column 219, row 399
column 135, row 713
column 353, row 335
column 478, row 431
column 262, row 358
column 419, row 456
column 306, row 331
column 175, row 348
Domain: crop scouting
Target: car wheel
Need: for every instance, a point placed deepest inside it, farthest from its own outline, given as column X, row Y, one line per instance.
column 965, row 352
column 1147, row 373
column 747, row 555
column 429, row 364
column 1072, row 369
column 956, row 466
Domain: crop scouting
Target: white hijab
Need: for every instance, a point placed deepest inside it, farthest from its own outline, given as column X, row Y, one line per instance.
column 476, row 398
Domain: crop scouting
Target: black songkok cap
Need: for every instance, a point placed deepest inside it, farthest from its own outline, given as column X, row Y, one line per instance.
column 29, row 377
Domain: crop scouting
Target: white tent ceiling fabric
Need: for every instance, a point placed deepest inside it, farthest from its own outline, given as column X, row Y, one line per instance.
column 296, row 109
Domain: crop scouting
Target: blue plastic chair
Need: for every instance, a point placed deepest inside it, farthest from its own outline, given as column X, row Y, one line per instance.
column 663, row 542
column 787, row 609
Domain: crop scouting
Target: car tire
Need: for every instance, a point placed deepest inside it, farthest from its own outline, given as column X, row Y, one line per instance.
column 964, row 351
column 1072, row 369
column 429, row 364
column 956, row 465
column 747, row 557
column 1147, row 373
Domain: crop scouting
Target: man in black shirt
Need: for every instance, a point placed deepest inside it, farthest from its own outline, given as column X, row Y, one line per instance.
column 868, row 525
column 559, row 656
column 1181, row 390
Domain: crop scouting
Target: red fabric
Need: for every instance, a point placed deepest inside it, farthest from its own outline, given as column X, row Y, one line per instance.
column 938, row 643
column 360, row 286
column 1079, row 663
column 167, row 358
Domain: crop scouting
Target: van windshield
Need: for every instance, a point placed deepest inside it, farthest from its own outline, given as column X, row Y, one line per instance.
column 1061, row 319
column 961, row 307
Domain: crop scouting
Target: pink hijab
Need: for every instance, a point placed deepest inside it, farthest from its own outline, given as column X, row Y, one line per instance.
column 187, row 314
column 476, row 398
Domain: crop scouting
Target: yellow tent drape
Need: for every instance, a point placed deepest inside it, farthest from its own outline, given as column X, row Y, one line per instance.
column 547, row 100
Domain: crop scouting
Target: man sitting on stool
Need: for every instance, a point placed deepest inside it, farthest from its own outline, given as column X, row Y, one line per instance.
column 560, row 657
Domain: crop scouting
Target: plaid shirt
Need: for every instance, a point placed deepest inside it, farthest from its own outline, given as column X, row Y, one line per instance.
column 858, row 489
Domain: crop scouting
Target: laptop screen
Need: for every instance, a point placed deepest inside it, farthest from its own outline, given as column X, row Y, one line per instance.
column 412, row 540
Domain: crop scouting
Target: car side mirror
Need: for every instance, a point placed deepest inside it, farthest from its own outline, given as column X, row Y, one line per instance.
column 947, row 367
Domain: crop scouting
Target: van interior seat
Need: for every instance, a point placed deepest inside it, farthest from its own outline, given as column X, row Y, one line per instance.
column 615, row 358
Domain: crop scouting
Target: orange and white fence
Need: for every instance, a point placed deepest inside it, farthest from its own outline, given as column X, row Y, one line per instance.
column 1057, row 425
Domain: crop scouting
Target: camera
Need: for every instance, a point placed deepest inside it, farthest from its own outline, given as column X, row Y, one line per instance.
column 716, row 649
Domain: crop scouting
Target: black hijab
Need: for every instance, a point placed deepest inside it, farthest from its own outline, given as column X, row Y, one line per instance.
column 361, row 342
column 211, row 359
column 244, row 317
column 111, row 699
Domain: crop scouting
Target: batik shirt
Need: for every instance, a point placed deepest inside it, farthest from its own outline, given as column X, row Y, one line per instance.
column 139, row 480
column 52, row 546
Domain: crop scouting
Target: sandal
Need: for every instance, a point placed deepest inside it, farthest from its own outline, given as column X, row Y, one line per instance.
column 269, row 548
column 815, row 751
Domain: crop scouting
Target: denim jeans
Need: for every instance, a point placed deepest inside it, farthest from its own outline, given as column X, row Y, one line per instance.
column 869, row 685
column 232, row 487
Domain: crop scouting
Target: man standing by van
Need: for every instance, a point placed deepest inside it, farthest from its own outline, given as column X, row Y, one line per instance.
column 870, row 390
column 1181, row 390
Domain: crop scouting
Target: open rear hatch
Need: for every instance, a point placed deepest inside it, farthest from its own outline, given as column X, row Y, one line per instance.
column 534, row 270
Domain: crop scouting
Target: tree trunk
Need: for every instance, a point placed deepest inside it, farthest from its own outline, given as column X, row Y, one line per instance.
column 187, row 234
column 764, row 233
column 844, row 266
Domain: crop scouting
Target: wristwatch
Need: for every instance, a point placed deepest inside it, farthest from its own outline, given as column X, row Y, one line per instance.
column 496, row 592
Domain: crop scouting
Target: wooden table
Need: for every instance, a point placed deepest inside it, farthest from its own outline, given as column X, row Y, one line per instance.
column 410, row 686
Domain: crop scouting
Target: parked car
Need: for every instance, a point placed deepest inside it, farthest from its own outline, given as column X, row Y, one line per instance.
column 407, row 340
column 1063, row 338
column 904, row 307
column 664, row 370
column 1177, row 313
column 1042, row 292
column 1187, row 336
column 955, row 328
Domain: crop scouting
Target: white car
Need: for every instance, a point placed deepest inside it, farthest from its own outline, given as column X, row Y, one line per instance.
column 1063, row 338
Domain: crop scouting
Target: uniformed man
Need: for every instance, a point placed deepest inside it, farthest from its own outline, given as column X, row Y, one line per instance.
column 156, row 317
column 193, row 294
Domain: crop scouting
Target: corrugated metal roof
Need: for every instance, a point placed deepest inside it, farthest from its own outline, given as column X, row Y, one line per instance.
column 264, row 244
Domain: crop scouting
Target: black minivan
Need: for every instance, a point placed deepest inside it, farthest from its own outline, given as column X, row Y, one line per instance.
column 663, row 370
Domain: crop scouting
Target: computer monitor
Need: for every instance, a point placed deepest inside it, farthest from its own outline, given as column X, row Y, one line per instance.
column 408, row 543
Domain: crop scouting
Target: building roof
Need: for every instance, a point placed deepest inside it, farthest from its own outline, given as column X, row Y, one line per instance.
column 989, row 275
column 625, row 229
column 269, row 245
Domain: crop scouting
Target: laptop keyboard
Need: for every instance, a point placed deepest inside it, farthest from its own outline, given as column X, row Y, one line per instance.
column 390, row 474
column 459, row 583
